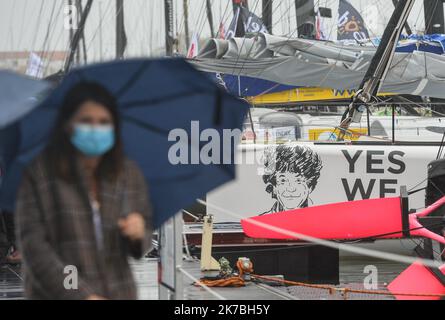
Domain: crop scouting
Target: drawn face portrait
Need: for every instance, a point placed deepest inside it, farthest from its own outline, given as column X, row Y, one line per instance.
column 291, row 174
column 291, row 190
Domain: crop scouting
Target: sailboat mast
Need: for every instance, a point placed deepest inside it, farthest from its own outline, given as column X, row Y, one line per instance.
column 267, row 14
column 101, row 47
column 236, row 3
column 434, row 16
column 210, row 17
column 169, row 39
column 84, row 46
column 379, row 66
column 74, row 45
column 186, row 23
column 121, row 41
column 305, row 18
column 240, row 30
column 407, row 27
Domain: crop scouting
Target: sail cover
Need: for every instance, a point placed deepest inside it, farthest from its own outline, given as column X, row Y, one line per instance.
column 310, row 63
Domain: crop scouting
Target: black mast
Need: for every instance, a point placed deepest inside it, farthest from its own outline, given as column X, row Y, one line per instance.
column 305, row 18
column 186, row 23
column 84, row 46
column 407, row 27
column 169, row 39
column 74, row 45
column 434, row 16
column 267, row 14
column 379, row 66
column 434, row 23
column 121, row 38
column 240, row 30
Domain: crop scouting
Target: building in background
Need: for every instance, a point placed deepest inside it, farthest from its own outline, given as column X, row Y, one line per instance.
column 25, row 62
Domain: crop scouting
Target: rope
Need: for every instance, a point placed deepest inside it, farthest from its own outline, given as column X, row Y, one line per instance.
column 332, row 290
column 234, row 282
column 205, row 287
column 245, row 268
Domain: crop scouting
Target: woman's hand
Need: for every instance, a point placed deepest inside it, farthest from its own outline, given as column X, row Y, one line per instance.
column 133, row 226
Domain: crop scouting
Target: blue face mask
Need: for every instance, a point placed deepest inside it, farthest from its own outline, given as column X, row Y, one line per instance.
column 93, row 141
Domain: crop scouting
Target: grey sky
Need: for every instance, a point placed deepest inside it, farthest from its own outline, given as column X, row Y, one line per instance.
column 24, row 23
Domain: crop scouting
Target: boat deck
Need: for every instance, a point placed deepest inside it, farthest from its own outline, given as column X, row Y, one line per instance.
column 145, row 271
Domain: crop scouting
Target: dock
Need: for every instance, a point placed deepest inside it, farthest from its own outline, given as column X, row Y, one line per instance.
column 145, row 273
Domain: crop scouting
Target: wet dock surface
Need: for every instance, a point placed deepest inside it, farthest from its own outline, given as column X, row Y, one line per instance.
column 11, row 283
column 352, row 276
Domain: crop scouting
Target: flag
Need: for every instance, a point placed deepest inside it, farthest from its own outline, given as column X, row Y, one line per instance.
column 244, row 22
column 194, row 47
column 320, row 28
column 252, row 23
column 351, row 25
column 222, row 31
column 233, row 28
column 35, row 66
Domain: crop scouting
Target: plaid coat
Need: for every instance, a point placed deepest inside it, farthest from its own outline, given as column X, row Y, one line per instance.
column 55, row 230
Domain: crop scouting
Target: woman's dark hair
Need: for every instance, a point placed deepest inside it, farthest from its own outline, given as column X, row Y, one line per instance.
column 61, row 152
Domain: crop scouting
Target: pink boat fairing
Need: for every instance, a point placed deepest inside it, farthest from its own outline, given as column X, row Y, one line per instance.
column 373, row 219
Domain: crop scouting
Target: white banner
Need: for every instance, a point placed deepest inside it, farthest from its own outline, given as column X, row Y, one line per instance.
column 35, row 66
column 278, row 178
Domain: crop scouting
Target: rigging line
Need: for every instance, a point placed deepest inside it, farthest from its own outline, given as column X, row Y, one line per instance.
column 226, row 14
column 38, row 25
column 182, row 26
column 439, row 153
column 418, row 244
column 50, row 58
column 75, row 43
column 48, row 30
column 147, row 28
column 67, row 48
column 22, row 24
column 200, row 16
column 141, row 15
column 385, row 235
column 11, row 33
column 204, row 22
column 54, row 22
column 100, row 25
column 427, row 26
column 279, row 20
column 327, row 243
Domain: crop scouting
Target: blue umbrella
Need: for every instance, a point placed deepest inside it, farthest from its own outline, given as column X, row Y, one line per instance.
column 154, row 97
column 18, row 96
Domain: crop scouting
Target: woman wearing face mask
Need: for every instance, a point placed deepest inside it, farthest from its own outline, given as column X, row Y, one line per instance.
column 83, row 207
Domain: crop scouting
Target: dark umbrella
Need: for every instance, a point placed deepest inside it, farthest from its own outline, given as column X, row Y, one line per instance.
column 18, row 96
column 154, row 97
